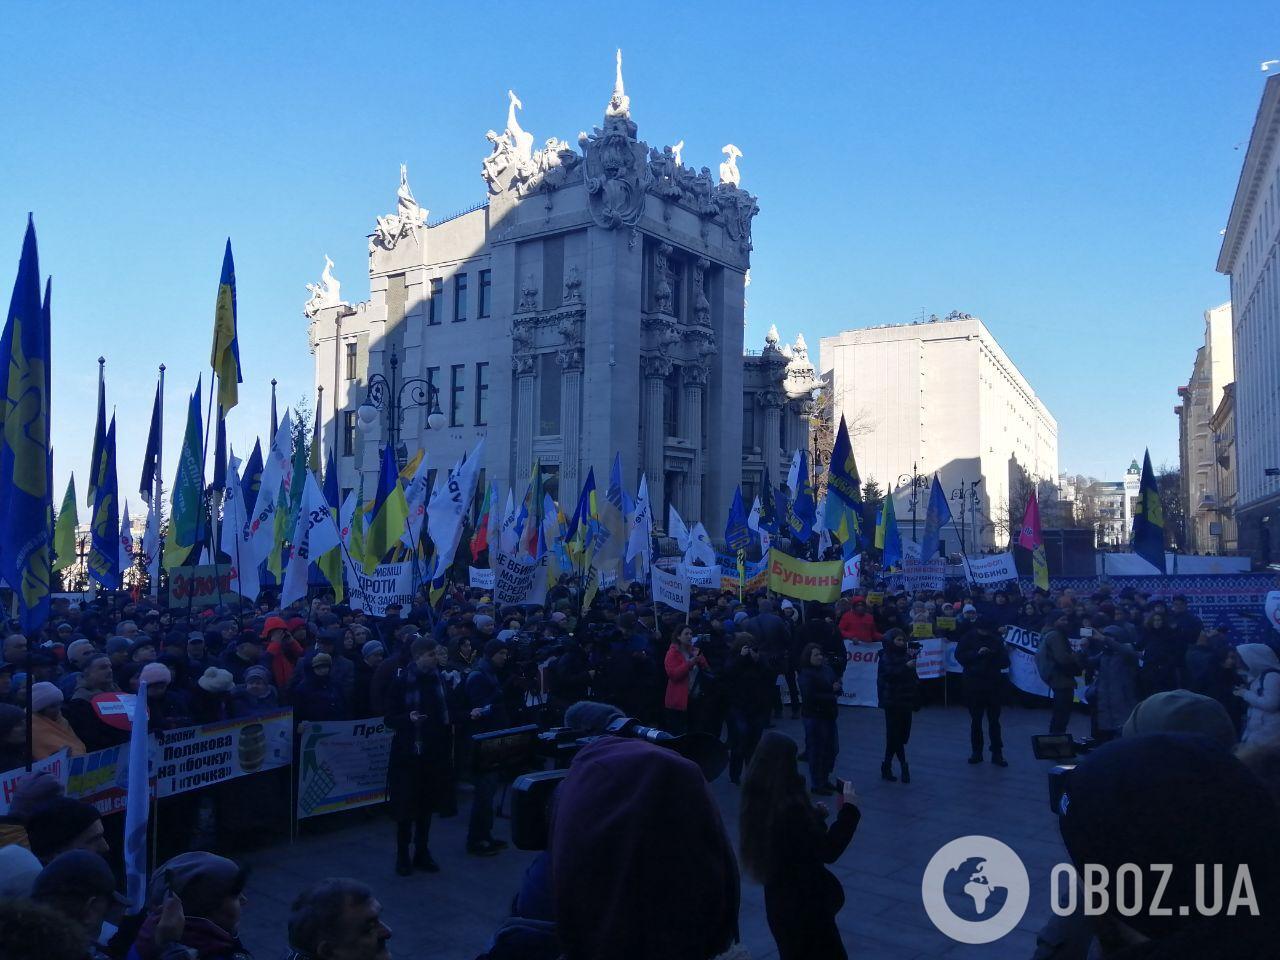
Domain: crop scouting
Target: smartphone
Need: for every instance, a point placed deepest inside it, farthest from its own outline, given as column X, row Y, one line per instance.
column 1086, row 632
column 840, row 785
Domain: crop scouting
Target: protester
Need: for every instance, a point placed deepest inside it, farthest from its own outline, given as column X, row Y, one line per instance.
column 96, row 677
column 32, row 931
column 256, row 696
column 1113, row 689
column 13, row 737
column 981, row 653
column 748, row 685
column 785, row 844
column 63, row 824
column 338, row 919
column 317, row 696
column 1064, row 666
column 50, row 731
column 195, row 902
column 897, row 687
column 487, row 710
column 1161, row 657
column 418, row 770
column 819, row 688
column 682, row 663
column 80, row 886
column 1261, row 692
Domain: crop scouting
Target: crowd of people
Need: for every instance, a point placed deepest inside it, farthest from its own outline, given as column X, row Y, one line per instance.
column 441, row 675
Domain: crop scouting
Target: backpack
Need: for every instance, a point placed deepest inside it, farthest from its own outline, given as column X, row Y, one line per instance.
column 1044, row 660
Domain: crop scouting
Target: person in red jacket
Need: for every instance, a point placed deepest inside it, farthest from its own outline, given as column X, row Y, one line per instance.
column 682, row 663
column 858, row 623
column 283, row 651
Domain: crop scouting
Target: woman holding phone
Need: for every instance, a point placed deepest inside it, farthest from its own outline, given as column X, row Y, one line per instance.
column 898, row 688
column 785, row 844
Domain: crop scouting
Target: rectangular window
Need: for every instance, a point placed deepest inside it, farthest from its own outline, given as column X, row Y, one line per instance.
column 748, row 423
column 432, row 375
column 456, row 387
column 348, row 433
column 434, row 302
column 351, row 361
column 486, row 293
column 670, row 417
column 459, row 297
column 482, row 393
column 548, row 395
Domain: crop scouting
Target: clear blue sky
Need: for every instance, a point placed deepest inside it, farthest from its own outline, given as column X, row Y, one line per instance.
column 1061, row 171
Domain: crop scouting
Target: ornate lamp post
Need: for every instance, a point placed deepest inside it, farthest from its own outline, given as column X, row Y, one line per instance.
column 967, row 495
column 915, row 483
column 394, row 397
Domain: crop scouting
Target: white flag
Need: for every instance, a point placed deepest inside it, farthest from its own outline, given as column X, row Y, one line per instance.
column 137, row 805
column 494, row 532
column 640, row 526
column 753, row 518
column 151, row 549
column 244, row 573
column 277, row 470
column 415, row 495
column 820, row 527
column 126, row 542
column 793, row 474
column 449, row 507
column 676, row 528
column 314, row 535
column 508, row 538
column 700, row 546
column 347, row 519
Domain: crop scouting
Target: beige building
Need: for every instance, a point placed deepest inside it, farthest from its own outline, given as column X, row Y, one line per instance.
column 1199, row 444
column 593, row 302
column 1250, row 256
column 941, row 396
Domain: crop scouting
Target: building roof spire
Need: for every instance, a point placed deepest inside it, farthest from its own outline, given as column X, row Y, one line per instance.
column 619, row 103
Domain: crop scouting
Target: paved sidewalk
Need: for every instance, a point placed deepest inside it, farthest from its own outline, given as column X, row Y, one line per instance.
column 452, row 915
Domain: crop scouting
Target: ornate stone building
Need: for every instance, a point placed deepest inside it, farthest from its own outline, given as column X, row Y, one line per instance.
column 593, row 303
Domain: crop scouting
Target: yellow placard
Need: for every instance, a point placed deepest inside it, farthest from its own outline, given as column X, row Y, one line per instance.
column 922, row 629
column 804, row 579
column 946, row 623
column 875, row 599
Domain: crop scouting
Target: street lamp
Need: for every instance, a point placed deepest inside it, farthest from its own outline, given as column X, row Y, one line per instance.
column 967, row 493
column 915, row 483
column 394, row 397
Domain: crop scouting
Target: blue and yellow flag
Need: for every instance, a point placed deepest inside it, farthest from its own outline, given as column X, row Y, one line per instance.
column 64, row 531
column 186, row 519
column 104, row 539
column 803, row 511
column 844, row 492
column 99, row 437
column 737, row 535
column 225, row 356
column 147, row 485
column 888, row 539
column 389, row 513
column 26, row 494
column 1148, row 519
column 937, row 516
column 251, row 475
column 330, row 563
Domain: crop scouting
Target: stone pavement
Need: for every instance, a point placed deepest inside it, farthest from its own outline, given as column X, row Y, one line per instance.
column 452, row 915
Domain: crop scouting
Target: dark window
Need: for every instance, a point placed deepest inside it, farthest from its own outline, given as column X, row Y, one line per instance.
column 432, row 374
column 748, row 422
column 482, row 393
column 670, row 417
column 434, row 304
column 486, row 293
column 459, row 297
column 548, row 395
column 677, row 289
column 351, row 362
column 348, row 433
column 456, row 386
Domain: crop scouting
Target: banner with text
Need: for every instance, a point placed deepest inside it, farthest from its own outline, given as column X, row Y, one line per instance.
column 480, row 578
column 342, row 764
column 804, row 579
column 58, row 766
column 702, row 578
column 671, row 589
column 860, row 674
column 204, row 586
column 757, row 573
column 992, row 569
column 372, row 592
column 193, row 757
column 930, row 575
column 851, row 580
column 513, row 579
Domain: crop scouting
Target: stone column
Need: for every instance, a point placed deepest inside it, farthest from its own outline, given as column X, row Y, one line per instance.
column 654, row 370
column 523, row 368
column 695, row 382
column 570, row 360
column 772, row 402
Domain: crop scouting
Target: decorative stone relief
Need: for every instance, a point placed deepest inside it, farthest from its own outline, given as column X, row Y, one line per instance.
column 771, row 399
column 522, row 366
column 615, row 164
column 656, row 365
column 326, row 293
column 572, row 285
column 528, row 295
column 664, row 328
column 570, row 358
column 701, row 305
column 695, row 374
column 409, row 216
column 662, row 278
column 738, row 208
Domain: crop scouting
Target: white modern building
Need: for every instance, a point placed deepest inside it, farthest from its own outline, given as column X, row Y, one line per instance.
column 1200, row 447
column 1250, row 256
column 941, row 396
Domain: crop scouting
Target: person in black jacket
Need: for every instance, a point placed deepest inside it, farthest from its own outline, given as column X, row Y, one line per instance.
column 486, row 704
column 417, row 712
column 897, row 688
column 747, row 685
column 982, row 654
column 785, row 843
column 818, row 708
column 773, row 640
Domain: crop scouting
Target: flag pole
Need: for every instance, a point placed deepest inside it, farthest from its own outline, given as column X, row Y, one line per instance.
column 159, row 494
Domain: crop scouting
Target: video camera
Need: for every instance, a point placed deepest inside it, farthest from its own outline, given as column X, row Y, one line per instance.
column 1059, row 746
column 532, row 793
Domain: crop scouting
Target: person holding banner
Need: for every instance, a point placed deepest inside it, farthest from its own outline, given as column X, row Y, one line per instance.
column 418, row 767
column 897, row 687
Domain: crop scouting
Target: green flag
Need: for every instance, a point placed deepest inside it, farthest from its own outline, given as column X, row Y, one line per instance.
column 64, row 532
column 187, row 515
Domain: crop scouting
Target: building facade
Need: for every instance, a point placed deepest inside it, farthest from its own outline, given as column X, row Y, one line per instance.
column 941, row 396
column 592, row 303
column 1199, row 443
column 1250, row 257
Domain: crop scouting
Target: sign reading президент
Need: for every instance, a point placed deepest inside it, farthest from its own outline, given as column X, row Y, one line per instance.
column 805, row 579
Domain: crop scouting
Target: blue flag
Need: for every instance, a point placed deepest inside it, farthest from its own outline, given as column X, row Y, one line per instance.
column 147, row 486
column 769, row 507
column 26, row 500
column 737, row 535
column 251, row 475
column 220, row 453
column 803, row 510
column 1148, row 519
column 888, row 539
column 331, row 492
column 937, row 517
column 104, row 540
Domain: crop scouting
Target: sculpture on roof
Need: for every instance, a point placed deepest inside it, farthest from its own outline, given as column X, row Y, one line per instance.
column 409, row 216
column 326, row 293
column 616, row 168
column 729, row 167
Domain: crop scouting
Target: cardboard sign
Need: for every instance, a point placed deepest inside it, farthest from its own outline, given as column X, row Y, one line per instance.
column 199, row 587
column 480, row 578
column 671, row 589
column 920, row 630
column 875, row 599
column 945, row 623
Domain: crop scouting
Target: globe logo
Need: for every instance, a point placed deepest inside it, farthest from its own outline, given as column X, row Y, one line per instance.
column 975, row 889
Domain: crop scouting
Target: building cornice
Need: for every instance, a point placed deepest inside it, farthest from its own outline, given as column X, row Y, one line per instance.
column 1262, row 144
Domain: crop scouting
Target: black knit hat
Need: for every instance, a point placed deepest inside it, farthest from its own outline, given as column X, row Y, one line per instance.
column 58, row 823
